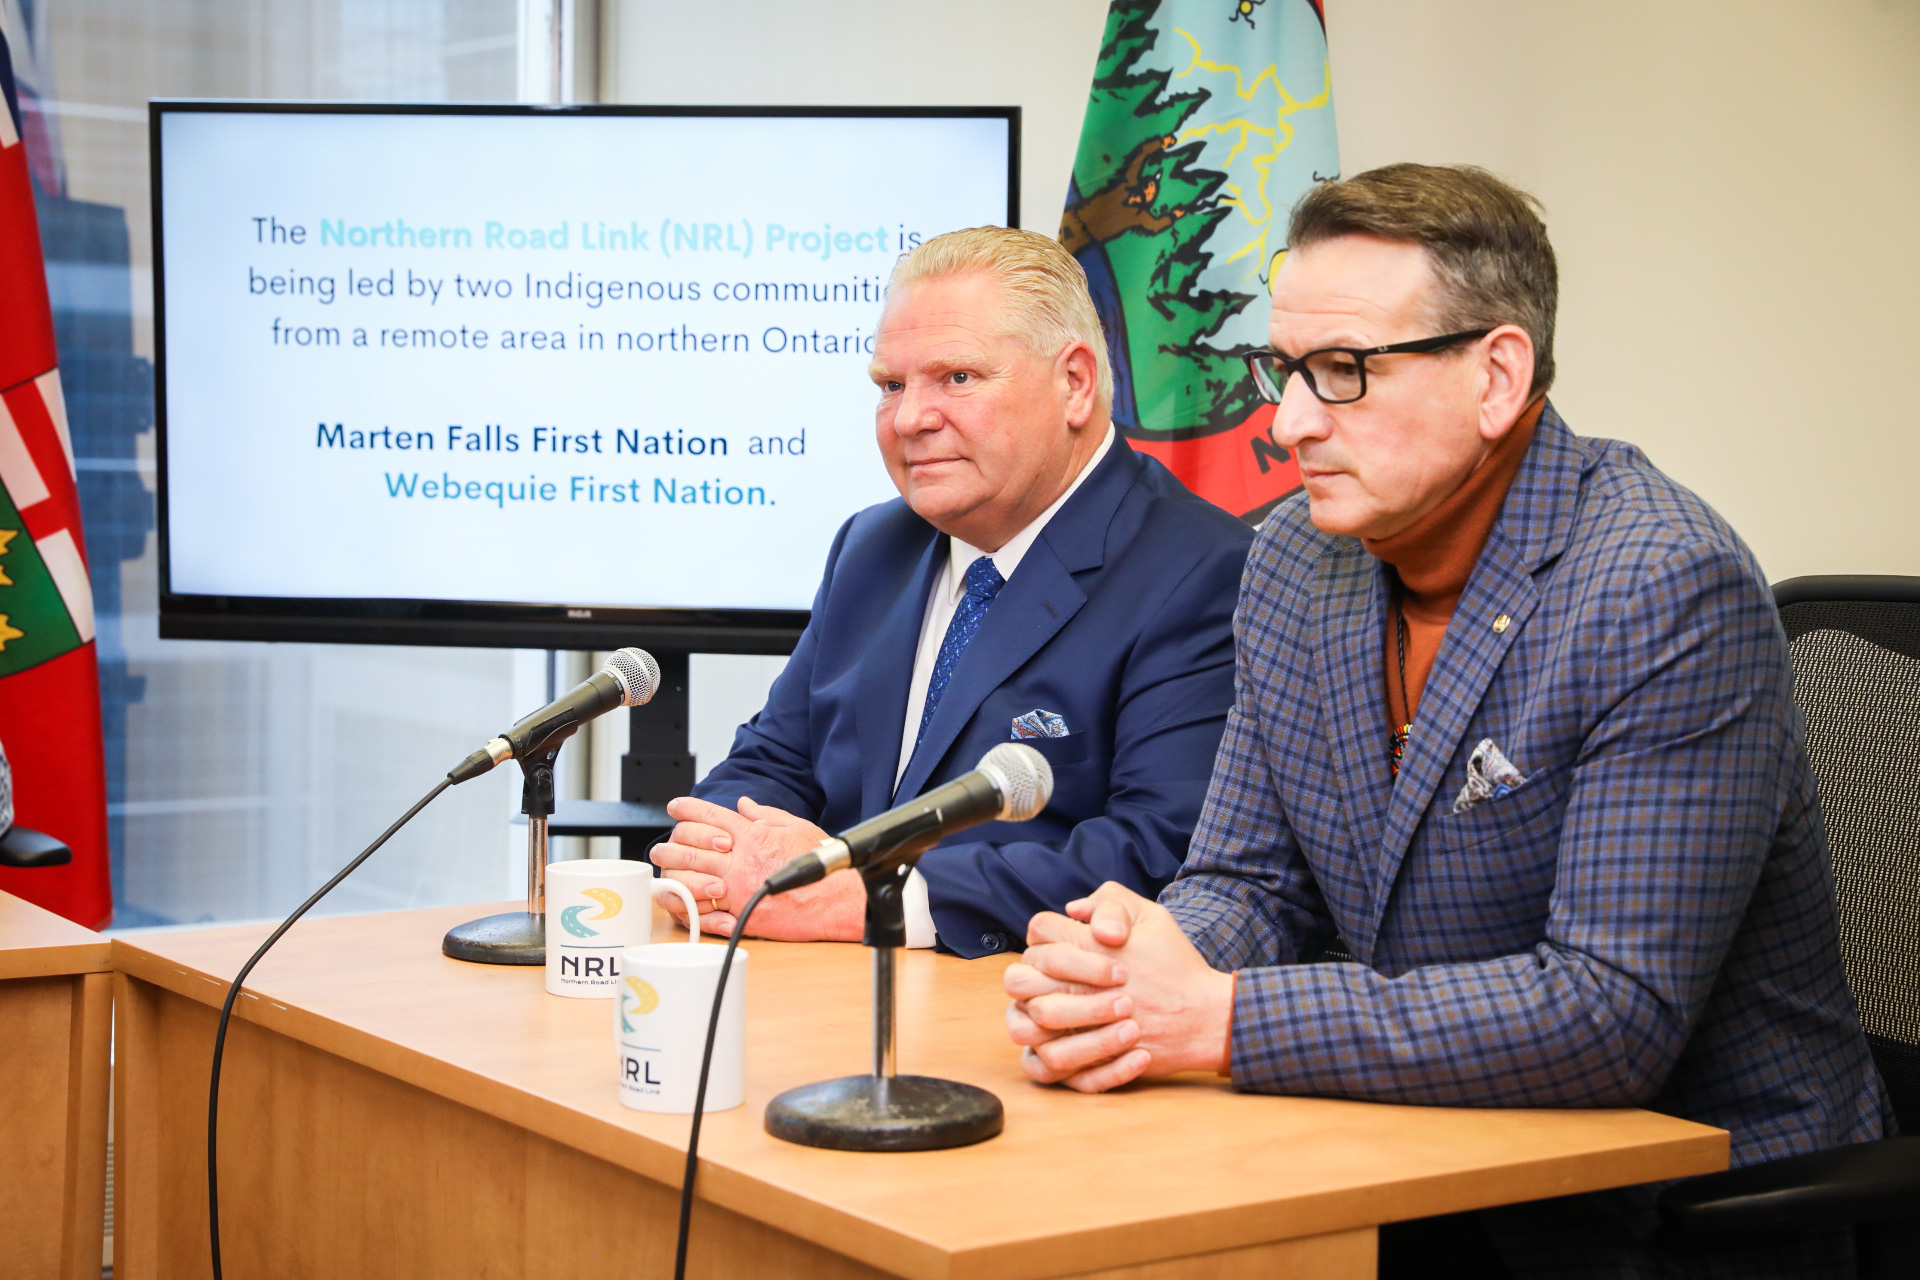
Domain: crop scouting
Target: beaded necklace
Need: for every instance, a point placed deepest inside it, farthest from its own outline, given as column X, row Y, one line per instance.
column 1405, row 731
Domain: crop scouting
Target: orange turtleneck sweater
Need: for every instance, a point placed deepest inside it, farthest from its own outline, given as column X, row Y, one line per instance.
column 1434, row 557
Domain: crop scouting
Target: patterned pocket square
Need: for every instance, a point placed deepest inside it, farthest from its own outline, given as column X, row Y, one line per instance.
column 1039, row 724
column 1490, row 775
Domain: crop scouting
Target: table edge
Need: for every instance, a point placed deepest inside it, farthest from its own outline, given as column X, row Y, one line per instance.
column 833, row 1226
column 59, row 960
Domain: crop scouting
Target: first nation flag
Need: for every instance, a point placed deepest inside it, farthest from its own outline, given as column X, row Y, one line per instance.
column 1207, row 120
column 49, row 676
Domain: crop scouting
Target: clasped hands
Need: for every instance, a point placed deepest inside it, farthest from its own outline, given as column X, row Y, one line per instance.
column 1108, row 993
column 1113, row 991
column 724, row 855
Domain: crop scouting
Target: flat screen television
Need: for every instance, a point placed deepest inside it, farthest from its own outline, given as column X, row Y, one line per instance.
column 566, row 377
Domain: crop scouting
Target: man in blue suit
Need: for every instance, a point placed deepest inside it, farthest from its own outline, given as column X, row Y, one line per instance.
column 1036, row 581
column 1515, row 749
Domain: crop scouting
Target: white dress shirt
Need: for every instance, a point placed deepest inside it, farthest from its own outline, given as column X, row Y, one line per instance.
column 949, row 588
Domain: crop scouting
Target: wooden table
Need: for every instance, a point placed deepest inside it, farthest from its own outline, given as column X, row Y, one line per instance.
column 56, row 1027
column 391, row 1112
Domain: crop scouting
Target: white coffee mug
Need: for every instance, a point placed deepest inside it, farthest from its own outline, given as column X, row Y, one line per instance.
column 596, row 909
column 660, row 1027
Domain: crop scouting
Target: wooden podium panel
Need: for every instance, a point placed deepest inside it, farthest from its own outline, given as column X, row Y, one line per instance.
column 388, row 1111
column 56, row 1021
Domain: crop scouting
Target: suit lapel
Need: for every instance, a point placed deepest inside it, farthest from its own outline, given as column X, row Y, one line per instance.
column 1037, row 601
column 1468, row 658
column 1350, row 606
column 1535, row 523
column 885, row 672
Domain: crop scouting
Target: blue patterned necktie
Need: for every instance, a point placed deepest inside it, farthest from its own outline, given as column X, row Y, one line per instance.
column 983, row 584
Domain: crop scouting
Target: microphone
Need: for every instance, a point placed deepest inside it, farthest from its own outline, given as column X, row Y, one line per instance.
column 630, row 678
column 1012, row 783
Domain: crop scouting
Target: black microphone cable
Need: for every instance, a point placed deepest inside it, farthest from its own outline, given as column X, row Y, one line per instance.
column 233, row 993
column 700, row 1091
column 1021, row 783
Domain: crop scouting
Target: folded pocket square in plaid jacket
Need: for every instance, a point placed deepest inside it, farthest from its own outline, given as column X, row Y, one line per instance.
column 1490, row 775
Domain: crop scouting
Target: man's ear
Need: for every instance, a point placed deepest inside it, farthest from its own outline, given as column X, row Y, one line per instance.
column 1077, row 368
column 1509, row 380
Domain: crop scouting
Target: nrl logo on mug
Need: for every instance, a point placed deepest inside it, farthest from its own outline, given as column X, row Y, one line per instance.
column 610, row 906
column 638, row 999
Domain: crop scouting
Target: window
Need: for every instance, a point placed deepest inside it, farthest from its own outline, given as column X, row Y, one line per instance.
column 241, row 775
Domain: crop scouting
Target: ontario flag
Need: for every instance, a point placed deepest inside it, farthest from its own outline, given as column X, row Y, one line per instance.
column 49, row 677
column 1207, row 120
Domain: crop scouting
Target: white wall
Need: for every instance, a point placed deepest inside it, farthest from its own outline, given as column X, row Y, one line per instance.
column 1731, row 186
column 1035, row 54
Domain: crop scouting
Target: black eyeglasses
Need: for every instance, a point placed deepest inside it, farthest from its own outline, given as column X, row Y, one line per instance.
column 1338, row 375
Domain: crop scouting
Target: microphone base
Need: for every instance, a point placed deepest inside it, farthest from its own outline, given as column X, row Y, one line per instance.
column 885, row 1113
column 512, row 937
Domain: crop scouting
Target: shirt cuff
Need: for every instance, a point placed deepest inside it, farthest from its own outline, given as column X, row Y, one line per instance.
column 1233, row 999
column 919, row 911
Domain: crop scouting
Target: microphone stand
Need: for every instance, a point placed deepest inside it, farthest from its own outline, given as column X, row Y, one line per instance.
column 519, row 937
column 885, row 1111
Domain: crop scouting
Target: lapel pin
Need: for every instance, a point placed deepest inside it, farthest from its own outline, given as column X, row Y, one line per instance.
column 1501, row 623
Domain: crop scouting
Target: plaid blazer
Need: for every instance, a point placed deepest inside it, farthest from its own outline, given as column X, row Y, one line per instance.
column 1646, row 921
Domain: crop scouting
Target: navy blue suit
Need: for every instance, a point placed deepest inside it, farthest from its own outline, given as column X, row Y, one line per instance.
column 1119, row 619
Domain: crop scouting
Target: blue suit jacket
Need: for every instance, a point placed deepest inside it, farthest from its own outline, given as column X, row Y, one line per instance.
column 1119, row 619
column 1646, row 921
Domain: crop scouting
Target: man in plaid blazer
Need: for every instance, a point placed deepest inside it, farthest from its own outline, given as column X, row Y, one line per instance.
column 1597, row 877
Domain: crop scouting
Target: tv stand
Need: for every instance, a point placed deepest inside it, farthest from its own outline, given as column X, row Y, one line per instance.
column 657, row 766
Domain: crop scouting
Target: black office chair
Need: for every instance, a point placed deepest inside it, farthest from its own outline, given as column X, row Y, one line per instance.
column 22, row 846
column 1855, row 644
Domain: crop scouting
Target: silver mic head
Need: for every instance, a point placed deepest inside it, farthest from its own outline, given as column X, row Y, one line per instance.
column 637, row 673
column 1024, row 778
